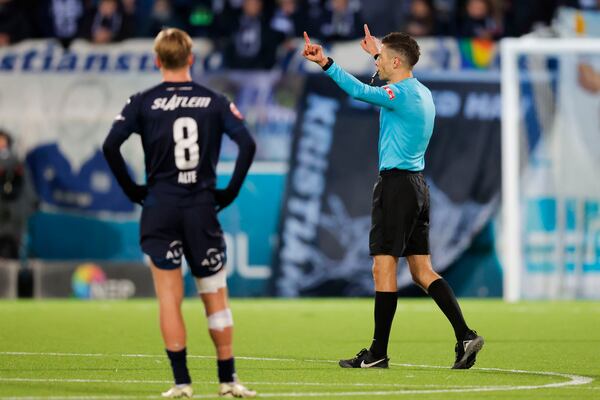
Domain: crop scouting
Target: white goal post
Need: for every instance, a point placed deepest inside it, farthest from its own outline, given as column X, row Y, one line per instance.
column 511, row 222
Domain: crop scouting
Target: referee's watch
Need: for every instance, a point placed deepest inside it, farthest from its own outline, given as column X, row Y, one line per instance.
column 328, row 65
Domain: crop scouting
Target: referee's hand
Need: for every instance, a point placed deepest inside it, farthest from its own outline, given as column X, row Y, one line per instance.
column 370, row 43
column 313, row 52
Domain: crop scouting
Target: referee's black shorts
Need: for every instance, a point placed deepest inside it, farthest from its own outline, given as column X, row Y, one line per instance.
column 400, row 214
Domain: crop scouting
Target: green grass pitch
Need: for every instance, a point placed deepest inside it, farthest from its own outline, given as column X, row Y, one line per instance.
column 287, row 349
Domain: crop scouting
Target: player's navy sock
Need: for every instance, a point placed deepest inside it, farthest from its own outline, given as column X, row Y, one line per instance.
column 385, row 308
column 442, row 293
column 226, row 370
column 179, row 366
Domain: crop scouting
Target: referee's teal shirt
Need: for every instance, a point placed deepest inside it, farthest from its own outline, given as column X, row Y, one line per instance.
column 405, row 119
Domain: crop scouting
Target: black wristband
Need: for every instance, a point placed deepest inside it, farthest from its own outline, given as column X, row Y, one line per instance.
column 376, row 56
column 329, row 64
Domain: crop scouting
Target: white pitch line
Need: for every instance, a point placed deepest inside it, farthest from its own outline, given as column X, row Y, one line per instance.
column 573, row 379
column 393, row 385
column 75, row 380
column 72, row 397
column 196, row 396
column 24, row 353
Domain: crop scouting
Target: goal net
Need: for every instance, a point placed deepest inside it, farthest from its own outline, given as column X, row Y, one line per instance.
column 550, row 226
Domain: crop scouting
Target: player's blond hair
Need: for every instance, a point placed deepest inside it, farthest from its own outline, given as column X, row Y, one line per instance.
column 173, row 48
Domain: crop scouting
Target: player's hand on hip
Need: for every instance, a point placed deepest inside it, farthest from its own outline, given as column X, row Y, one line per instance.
column 224, row 197
column 137, row 194
column 313, row 52
column 370, row 43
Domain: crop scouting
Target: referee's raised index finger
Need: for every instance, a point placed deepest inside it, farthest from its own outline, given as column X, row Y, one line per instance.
column 367, row 32
column 306, row 38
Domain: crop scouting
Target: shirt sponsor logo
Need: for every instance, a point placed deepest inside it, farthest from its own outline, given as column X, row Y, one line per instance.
column 175, row 102
column 214, row 260
column 175, row 252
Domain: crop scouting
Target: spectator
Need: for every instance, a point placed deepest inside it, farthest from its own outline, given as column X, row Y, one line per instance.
column 312, row 15
column 287, row 19
column 201, row 17
column 66, row 17
column 342, row 22
column 59, row 19
column 109, row 22
column 162, row 15
column 13, row 24
column 385, row 16
column 226, row 15
column 253, row 44
column 129, row 9
column 479, row 21
column 421, row 20
column 589, row 78
column 445, row 13
column 522, row 16
column 17, row 199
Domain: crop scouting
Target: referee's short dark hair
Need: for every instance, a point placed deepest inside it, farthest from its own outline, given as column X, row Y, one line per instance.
column 403, row 44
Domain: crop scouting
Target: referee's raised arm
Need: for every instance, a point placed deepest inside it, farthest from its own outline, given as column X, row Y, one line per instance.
column 370, row 43
column 314, row 52
column 381, row 96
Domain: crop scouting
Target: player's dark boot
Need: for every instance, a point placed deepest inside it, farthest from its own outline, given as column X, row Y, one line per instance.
column 365, row 359
column 466, row 350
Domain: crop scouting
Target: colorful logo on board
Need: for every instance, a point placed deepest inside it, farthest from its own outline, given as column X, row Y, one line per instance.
column 477, row 53
column 84, row 278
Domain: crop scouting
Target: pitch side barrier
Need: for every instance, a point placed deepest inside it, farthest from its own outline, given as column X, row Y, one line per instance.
column 98, row 279
column 9, row 270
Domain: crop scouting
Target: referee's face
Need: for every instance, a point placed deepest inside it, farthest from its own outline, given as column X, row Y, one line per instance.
column 385, row 63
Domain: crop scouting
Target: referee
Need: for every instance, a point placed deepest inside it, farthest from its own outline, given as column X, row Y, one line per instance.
column 400, row 209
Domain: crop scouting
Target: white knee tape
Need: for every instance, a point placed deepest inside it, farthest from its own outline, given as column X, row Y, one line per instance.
column 213, row 283
column 220, row 320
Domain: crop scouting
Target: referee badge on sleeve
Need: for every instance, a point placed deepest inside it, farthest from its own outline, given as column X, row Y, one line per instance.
column 390, row 92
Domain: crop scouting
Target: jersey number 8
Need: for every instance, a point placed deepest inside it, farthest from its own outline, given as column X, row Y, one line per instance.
column 187, row 151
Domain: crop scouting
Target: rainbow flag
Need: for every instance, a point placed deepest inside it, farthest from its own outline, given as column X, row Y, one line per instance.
column 477, row 53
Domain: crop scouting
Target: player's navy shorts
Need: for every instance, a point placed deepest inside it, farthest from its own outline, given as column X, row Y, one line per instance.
column 400, row 214
column 167, row 233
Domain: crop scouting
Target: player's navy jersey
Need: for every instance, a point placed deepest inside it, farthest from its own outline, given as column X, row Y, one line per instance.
column 181, row 126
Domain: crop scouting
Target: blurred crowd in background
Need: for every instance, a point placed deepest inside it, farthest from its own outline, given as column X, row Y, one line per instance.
column 258, row 27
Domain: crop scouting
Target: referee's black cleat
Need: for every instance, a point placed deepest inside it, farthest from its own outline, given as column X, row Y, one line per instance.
column 466, row 350
column 365, row 359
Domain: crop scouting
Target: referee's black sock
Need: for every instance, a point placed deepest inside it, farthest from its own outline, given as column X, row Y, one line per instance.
column 385, row 308
column 442, row 293
column 179, row 366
